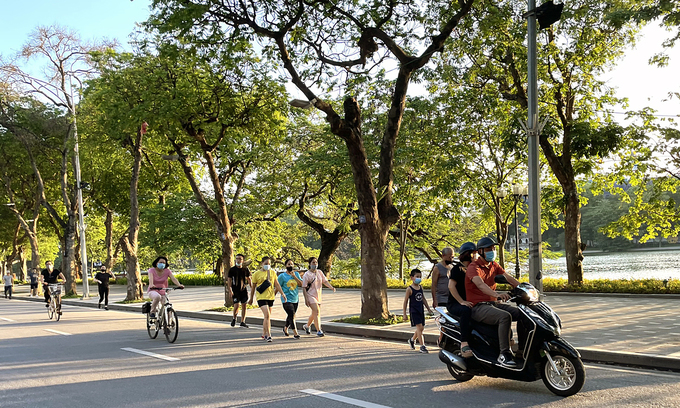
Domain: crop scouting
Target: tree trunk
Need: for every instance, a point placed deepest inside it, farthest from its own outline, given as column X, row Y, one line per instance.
column 373, row 279
column 134, row 277
column 572, row 237
column 329, row 244
column 227, row 260
column 22, row 265
column 69, row 258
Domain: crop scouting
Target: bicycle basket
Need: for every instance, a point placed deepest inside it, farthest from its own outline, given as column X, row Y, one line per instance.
column 55, row 288
column 146, row 308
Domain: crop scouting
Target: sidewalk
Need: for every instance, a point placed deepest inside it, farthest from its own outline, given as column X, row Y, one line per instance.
column 639, row 330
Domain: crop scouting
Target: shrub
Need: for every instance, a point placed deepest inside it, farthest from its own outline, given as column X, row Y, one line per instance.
column 229, row 309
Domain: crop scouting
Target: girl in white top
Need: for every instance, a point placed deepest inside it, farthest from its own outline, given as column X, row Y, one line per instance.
column 312, row 281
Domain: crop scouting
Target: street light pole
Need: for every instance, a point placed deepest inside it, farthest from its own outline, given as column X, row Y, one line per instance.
column 533, row 133
column 81, row 219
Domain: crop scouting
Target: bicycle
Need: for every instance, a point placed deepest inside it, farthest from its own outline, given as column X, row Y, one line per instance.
column 165, row 319
column 54, row 306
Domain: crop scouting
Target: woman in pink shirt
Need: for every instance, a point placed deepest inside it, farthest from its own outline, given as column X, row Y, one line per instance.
column 158, row 278
column 312, row 282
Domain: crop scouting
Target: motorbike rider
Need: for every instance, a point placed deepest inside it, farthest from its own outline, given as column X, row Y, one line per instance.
column 457, row 305
column 480, row 288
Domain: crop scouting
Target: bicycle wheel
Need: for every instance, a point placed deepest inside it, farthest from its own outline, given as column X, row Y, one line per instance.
column 171, row 326
column 50, row 309
column 151, row 328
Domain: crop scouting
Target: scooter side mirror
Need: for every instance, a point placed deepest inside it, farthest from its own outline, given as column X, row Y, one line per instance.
column 501, row 279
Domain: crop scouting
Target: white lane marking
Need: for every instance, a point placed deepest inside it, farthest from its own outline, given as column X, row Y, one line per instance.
column 340, row 398
column 638, row 372
column 150, row 354
column 6, row 319
column 59, row 332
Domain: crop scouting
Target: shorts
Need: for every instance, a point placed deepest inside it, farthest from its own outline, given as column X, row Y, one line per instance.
column 34, row 286
column 240, row 296
column 417, row 318
column 262, row 302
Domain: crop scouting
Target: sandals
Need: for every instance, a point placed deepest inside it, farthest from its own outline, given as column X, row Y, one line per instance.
column 466, row 352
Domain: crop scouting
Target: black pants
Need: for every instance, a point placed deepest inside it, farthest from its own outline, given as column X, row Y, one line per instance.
column 8, row 290
column 46, row 293
column 104, row 294
column 290, row 309
column 464, row 315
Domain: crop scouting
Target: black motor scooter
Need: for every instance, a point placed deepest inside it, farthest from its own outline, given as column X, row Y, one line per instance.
column 546, row 354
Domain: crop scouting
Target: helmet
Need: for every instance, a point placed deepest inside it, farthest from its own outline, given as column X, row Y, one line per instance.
column 486, row 242
column 467, row 247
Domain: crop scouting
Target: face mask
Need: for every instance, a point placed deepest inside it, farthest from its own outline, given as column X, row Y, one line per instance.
column 238, row 264
column 265, row 267
column 312, row 267
column 490, row 256
column 417, row 281
column 448, row 262
column 289, row 268
column 161, row 265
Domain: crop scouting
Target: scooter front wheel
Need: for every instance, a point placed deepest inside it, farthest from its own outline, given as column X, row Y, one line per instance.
column 566, row 378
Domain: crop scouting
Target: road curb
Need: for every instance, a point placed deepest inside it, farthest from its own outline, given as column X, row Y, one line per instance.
column 587, row 354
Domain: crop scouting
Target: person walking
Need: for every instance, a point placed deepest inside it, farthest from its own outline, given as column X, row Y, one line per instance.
column 158, row 280
column 266, row 285
column 34, row 277
column 415, row 300
column 9, row 284
column 289, row 282
column 440, row 278
column 238, row 282
column 312, row 281
column 102, row 278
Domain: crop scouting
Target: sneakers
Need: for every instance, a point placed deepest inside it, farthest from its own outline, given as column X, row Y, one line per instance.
column 423, row 350
column 296, row 336
column 411, row 343
column 307, row 329
column 106, row 308
column 320, row 333
column 285, row 331
column 233, row 322
column 269, row 339
column 99, row 305
column 243, row 324
column 152, row 315
column 505, row 359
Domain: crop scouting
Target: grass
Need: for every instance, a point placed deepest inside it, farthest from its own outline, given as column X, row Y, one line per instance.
column 126, row 302
column 228, row 309
column 71, row 297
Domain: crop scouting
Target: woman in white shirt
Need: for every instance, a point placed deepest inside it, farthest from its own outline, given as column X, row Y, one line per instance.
column 312, row 281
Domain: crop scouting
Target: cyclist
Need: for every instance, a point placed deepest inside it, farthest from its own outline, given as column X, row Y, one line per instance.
column 158, row 278
column 51, row 276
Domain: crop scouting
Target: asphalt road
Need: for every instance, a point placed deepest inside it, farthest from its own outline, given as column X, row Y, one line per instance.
column 81, row 363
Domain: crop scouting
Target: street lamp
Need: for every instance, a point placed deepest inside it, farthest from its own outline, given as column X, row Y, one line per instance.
column 520, row 193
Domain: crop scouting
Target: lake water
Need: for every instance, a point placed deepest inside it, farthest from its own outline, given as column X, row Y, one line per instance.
column 620, row 265
column 606, row 265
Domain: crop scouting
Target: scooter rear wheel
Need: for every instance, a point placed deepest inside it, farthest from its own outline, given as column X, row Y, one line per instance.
column 569, row 377
column 461, row 376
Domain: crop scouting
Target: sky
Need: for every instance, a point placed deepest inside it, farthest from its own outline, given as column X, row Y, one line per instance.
column 633, row 77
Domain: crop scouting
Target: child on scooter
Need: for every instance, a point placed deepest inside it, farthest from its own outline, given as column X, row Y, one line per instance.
column 415, row 300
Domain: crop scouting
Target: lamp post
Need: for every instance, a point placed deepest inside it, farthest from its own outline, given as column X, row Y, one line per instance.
column 520, row 193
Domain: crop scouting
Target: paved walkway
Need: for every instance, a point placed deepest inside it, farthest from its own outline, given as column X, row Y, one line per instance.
column 646, row 324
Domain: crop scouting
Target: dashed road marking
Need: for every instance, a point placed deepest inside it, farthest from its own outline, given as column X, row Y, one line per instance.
column 340, row 398
column 58, row 332
column 6, row 319
column 150, row 354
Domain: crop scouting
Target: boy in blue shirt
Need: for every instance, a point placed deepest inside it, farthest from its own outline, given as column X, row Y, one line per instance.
column 415, row 300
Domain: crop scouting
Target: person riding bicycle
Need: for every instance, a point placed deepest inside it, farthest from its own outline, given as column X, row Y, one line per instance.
column 158, row 278
column 480, row 288
column 51, row 276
